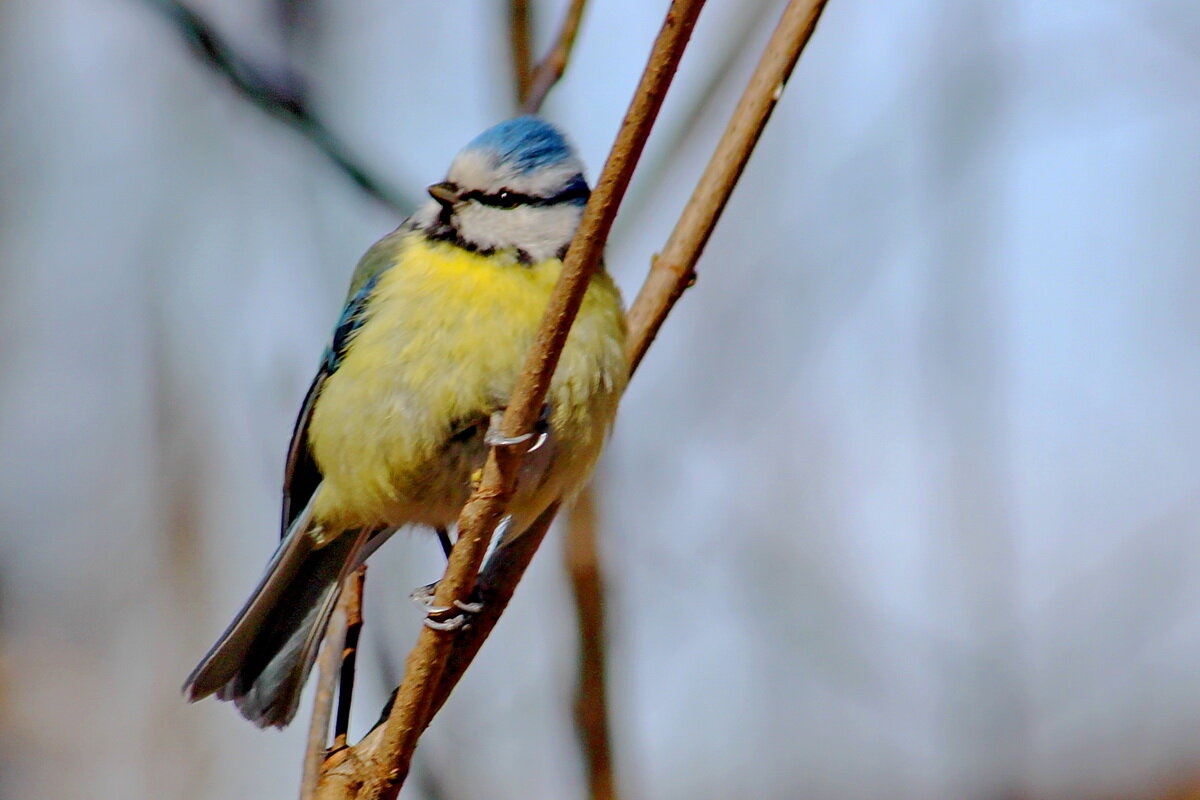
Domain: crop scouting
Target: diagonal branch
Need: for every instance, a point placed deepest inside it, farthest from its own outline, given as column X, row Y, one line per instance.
column 387, row 766
column 672, row 272
column 662, row 289
column 551, row 68
column 674, row 269
column 280, row 92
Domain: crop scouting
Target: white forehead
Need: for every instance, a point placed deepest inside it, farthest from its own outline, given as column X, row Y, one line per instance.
column 483, row 170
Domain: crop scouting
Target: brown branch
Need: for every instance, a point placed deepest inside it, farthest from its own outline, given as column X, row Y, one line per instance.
column 354, row 621
column 387, row 765
column 551, row 68
column 508, row 563
column 591, row 697
column 582, row 557
column 670, row 275
column 673, row 270
column 327, row 678
column 346, row 770
column 519, row 42
column 485, row 508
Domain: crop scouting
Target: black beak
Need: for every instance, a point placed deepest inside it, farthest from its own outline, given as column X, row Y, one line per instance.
column 445, row 193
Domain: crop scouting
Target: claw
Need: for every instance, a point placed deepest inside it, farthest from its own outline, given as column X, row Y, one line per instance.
column 452, row 624
column 495, row 439
column 541, row 440
column 423, row 597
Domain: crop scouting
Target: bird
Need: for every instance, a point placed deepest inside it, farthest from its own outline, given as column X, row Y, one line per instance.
column 409, row 393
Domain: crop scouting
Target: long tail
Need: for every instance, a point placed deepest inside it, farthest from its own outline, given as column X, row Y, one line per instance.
column 262, row 660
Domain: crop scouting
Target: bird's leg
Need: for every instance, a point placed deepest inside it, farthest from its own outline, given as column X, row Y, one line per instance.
column 423, row 595
column 444, row 537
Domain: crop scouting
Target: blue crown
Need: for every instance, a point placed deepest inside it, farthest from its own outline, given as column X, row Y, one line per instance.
column 528, row 143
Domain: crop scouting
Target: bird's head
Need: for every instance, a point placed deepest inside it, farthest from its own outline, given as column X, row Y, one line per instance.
column 518, row 185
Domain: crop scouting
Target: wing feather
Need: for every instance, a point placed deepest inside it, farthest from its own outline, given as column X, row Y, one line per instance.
column 301, row 475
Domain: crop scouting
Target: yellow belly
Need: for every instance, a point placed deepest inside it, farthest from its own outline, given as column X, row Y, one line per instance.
column 445, row 336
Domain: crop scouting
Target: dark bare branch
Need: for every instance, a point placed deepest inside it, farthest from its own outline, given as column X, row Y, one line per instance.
column 277, row 90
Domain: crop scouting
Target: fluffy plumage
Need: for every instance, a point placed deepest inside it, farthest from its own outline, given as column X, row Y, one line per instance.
column 438, row 319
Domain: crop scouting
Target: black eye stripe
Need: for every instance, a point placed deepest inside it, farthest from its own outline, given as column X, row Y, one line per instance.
column 508, row 199
column 501, row 199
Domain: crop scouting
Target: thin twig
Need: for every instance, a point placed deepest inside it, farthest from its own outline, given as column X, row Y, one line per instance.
column 591, row 696
column 410, row 713
column 551, row 68
column 519, row 43
column 508, row 563
column 279, row 91
column 354, row 621
column 673, row 270
column 327, row 678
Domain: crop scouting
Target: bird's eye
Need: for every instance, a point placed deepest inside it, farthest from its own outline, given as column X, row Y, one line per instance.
column 504, row 198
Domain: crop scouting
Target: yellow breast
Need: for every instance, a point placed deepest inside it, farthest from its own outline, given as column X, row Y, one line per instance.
column 445, row 334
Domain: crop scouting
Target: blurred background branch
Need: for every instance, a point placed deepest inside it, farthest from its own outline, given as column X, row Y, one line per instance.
column 552, row 67
column 586, row 575
column 279, row 91
column 521, row 45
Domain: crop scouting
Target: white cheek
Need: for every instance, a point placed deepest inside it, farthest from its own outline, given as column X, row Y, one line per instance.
column 541, row 231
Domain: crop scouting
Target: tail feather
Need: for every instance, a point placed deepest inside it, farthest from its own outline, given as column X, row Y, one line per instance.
column 262, row 660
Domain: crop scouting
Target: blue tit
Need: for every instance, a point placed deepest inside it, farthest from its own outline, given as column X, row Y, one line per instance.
column 394, row 430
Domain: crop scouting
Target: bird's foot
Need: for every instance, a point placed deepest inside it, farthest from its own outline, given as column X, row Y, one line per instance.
column 444, row 618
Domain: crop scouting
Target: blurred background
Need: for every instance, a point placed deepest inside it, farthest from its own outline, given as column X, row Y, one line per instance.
column 903, row 503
